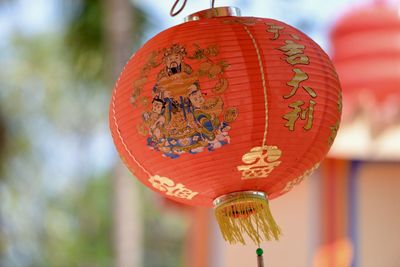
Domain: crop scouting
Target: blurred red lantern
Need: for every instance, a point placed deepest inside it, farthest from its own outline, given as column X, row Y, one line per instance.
column 366, row 53
column 226, row 111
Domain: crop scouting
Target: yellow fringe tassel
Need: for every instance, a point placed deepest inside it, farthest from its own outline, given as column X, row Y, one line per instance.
column 246, row 215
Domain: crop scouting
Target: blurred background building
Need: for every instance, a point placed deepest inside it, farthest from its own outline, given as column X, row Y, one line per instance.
column 66, row 200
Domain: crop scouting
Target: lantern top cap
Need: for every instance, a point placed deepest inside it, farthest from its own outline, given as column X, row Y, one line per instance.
column 214, row 12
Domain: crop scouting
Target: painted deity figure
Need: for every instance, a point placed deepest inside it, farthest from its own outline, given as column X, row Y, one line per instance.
column 155, row 121
column 214, row 132
column 207, row 123
column 181, row 119
column 175, row 69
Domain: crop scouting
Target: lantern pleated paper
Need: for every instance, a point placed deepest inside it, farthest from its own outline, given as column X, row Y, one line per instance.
column 227, row 112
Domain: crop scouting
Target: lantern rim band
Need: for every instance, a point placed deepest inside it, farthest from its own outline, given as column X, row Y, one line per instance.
column 214, row 12
column 238, row 195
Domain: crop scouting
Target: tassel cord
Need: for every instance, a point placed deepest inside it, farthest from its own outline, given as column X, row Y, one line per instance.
column 260, row 259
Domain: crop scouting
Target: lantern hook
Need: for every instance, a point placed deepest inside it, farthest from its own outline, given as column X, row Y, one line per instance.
column 212, row 3
column 173, row 13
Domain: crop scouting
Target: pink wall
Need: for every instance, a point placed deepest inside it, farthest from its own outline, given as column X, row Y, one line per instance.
column 377, row 228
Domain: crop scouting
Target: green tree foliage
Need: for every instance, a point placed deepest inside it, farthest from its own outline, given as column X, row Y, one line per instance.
column 3, row 143
column 55, row 192
column 86, row 40
column 164, row 233
column 51, row 124
column 79, row 227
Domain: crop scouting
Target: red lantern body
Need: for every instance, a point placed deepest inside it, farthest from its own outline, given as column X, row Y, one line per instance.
column 225, row 104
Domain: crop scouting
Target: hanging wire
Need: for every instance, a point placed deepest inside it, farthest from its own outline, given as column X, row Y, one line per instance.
column 173, row 13
column 259, row 252
column 260, row 259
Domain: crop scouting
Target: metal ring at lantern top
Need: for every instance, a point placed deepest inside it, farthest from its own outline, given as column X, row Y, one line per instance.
column 239, row 195
column 214, row 12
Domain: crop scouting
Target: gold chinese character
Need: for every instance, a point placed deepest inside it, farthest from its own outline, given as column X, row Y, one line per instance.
column 291, row 48
column 294, row 36
column 182, row 192
column 289, row 185
column 335, row 73
column 298, row 59
column 301, row 113
column 261, row 161
column 295, row 53
column 299, row 77
column 334, row 130
column 339, row 102
column 165, row 184
column 275, row 29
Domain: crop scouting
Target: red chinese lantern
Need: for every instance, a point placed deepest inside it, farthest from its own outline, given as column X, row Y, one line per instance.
column 366, row 53
column 227, row 111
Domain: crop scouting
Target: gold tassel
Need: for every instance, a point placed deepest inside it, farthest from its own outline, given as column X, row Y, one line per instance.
column 247, row 213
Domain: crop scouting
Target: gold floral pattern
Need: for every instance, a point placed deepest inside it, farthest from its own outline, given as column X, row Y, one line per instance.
column 170, row 188
column 260, row 162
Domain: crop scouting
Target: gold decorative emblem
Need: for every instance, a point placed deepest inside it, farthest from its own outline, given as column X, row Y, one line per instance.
column 289, row 185
column 260, row 162
column 182, row 116
column 165, row 184
column 231, row 114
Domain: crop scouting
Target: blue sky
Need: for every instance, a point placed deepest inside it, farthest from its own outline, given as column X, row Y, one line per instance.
column 44, row 15
column 323, row 13
column 23, row 16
